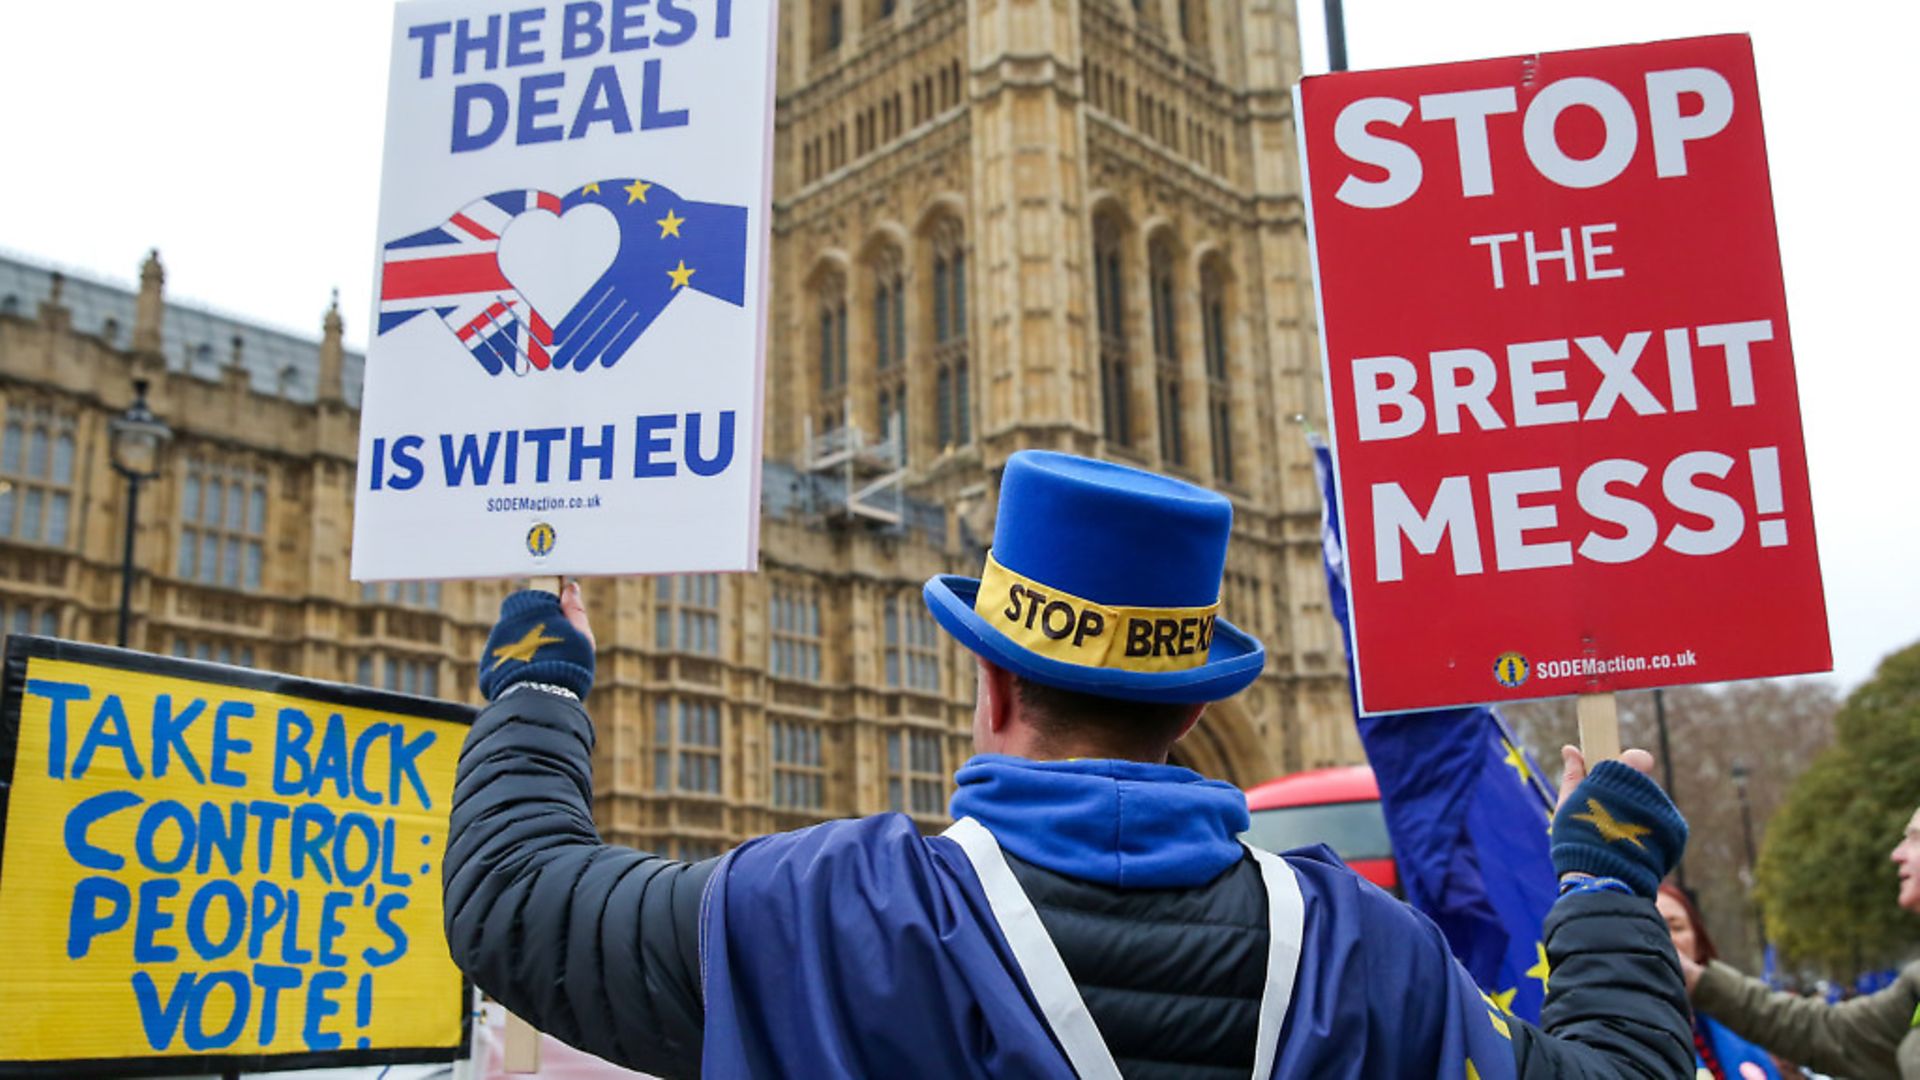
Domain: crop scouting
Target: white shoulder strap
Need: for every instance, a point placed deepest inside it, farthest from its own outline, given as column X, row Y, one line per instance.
column 1054, row 989
column 1286, row 925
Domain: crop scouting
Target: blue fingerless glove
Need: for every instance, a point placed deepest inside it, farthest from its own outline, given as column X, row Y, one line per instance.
column 534, row 642
column 1619, row 824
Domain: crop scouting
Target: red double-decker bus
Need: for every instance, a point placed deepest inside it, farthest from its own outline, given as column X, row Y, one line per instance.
column 1338, row 807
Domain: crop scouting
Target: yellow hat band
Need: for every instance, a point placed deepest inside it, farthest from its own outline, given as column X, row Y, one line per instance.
column 1072, row 630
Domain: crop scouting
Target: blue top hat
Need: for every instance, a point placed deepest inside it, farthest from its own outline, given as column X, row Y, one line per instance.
column 1103, row 580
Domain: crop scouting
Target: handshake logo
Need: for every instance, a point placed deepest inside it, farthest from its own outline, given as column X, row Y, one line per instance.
column 532, row 281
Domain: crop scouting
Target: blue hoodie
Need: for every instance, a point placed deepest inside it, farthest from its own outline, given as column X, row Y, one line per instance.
column 860, row 948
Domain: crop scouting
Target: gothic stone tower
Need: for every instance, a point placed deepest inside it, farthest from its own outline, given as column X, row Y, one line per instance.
column 1077, row 225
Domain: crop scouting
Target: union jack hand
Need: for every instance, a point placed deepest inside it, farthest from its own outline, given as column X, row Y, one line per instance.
column 454, row 271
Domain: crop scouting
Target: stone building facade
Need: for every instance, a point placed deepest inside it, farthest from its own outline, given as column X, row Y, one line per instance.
column 999, row 224
column 1071, row 224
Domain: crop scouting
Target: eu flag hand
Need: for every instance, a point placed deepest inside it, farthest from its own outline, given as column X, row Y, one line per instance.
column 668, row 245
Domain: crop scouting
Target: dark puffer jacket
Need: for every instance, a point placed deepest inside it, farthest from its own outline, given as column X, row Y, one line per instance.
column 600, row 945
column 1173, row 977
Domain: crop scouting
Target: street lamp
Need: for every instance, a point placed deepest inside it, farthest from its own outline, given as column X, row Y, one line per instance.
column 1666, row 768
column 1336, row 37
column 1738, row 770
column 137, row 437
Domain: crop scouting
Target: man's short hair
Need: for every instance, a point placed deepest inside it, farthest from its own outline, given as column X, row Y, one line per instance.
column 1137, row 730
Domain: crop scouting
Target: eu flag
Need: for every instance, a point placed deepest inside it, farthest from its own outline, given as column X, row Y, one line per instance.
column 1467, row 812
column 668, row 245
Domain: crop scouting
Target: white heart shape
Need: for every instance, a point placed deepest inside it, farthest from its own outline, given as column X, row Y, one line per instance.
column 554, row 259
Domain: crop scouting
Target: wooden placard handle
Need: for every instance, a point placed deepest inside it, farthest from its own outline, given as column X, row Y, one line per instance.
column 1599, row 717
column 522, row 1054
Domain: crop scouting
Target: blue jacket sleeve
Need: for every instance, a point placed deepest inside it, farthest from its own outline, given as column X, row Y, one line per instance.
column 595, row 944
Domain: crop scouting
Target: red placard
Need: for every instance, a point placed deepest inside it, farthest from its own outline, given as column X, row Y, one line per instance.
column 1565, row 422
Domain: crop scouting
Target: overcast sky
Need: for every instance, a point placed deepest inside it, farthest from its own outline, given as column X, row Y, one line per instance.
column 243, row 139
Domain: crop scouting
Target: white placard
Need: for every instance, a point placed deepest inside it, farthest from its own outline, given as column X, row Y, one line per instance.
column 566, row 367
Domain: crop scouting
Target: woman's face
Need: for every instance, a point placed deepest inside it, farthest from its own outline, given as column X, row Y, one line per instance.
column 1678, row 925
column 1906, row 856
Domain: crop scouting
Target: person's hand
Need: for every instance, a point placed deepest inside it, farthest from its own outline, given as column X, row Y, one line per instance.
column 1573, row 768
column 1614, row 822
column 539, row 639
column 1690, row 971
column 575, row 609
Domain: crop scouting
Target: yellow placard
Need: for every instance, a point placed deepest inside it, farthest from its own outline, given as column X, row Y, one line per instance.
column 204, row 862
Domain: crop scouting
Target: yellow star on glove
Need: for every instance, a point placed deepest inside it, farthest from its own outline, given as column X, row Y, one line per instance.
column 524, row 649
column 1610, row 829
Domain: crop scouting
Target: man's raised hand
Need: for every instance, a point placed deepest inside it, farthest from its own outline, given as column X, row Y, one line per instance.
column 575, row 609
column 1615, row 823
column 1574, row 768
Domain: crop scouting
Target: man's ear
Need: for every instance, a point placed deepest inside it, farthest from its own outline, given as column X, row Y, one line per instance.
column 997, row 691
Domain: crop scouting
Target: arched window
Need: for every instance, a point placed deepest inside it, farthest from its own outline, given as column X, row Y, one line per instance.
column 1109, row 301
column 1213, row 325
column 223, row 523
column 1166, row 351
column 889, row 338
column 1193, row 24
column 831, row 356
column 36, row 475
column 953, row 387
column 829, row 26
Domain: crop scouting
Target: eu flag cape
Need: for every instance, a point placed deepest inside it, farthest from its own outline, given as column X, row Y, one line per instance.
column 861, row 949
column 1467, row 812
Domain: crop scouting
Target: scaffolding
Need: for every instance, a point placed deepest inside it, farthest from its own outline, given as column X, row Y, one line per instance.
column 869, row 475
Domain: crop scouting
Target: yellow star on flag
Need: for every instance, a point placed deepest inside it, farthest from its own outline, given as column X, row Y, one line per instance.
column 590, row 189
column 670, row 225
column 1472, row 1073
column 680, row 274
column 1518, row 760
column 1541, row 969
column 1504, row 999
column 524, row 649
column 1611, row 829
column 637, row 191
column 1493, row 1014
